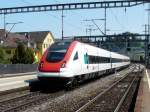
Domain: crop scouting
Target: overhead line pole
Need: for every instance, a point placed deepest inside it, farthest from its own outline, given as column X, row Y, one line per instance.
column 147, row 42
column 105, row 21
column 4, row 26
column 62, row 25
column 149, row 19
column 148, row 39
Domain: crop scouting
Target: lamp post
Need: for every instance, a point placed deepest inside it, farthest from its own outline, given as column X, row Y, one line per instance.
column 147, row 40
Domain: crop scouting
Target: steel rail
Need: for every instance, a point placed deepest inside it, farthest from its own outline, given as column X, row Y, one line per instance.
column 125, row 95
column 34, row 101
column 102, row 93
column 28, row 94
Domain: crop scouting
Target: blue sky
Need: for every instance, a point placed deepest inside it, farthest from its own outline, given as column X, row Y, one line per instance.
column 118, row 20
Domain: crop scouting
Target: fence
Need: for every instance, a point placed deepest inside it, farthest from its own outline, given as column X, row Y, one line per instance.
column 17, row 68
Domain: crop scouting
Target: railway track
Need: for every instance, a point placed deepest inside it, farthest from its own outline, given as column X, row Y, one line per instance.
column 25, row 101
column 12, row 94
column 73, row 100
column 111, row 99
column 35, row 99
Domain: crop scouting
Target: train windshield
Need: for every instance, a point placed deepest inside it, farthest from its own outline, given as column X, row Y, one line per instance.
column 55, row 56
column 57, row 51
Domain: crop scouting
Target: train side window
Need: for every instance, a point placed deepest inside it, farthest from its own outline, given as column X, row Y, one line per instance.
column 76, row 56
column 86, row 59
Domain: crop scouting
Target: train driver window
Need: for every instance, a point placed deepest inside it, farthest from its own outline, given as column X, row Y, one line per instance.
column 75, row 56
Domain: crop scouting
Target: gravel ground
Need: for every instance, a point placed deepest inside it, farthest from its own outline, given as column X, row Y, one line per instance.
column 13, row 95
column 74, row 99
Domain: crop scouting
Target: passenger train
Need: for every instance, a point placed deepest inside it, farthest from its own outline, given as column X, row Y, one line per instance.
column 71, row 62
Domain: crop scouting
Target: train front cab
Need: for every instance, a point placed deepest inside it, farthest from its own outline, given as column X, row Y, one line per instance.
column 60, row 63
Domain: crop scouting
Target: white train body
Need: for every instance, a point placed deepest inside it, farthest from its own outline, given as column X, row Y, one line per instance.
column 79, row 60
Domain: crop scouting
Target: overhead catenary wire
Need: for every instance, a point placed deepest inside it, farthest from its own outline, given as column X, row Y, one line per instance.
column 25, row 2
column 117, row 20
column 58, row 18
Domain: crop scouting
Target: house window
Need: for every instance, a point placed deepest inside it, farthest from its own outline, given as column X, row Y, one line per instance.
column 48, row 40
column 44, row 45
column 35, row 46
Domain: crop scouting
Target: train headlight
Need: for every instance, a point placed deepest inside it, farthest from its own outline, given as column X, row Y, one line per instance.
column 41, row 64
column 63, row 64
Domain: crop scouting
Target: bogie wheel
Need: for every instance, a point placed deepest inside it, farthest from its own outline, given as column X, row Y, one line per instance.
column 71, row 84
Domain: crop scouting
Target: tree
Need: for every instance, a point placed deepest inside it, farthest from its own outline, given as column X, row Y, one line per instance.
column 29, row 56
column 20, row 55
column 123, row 40
column 1, row 55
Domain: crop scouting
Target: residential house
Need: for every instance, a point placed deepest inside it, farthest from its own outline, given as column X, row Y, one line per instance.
column 9, row 43
column 39, row 40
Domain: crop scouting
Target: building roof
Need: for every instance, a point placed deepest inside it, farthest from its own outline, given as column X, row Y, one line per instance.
column 37, row 36
column 12, row 39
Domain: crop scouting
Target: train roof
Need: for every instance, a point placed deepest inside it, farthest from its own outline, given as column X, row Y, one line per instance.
column 63, row 46
column 60, row 46
column 113, row 54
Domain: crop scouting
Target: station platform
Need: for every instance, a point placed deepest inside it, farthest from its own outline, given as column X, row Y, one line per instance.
column 143, row 98
column 15, row 82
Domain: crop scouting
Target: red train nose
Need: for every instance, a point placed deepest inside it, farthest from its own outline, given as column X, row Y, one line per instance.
column 41, row 64
column 63, row 64
column 50, row 67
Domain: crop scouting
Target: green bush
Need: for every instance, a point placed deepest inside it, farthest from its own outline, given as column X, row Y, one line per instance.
column 29, row 56
column 22, row 55
column 1, row 55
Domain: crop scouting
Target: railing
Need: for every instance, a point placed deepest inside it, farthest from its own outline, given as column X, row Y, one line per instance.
column 17, row 68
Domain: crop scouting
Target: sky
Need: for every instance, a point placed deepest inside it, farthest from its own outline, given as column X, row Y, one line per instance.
column 118, row 19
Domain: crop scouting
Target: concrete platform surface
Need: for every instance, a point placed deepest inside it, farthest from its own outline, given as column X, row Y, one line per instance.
column 15, row 82
column 143, row 98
